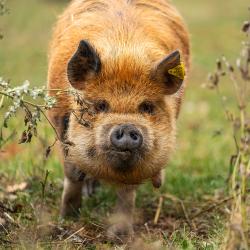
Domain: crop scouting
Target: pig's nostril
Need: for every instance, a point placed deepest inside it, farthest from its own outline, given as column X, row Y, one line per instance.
column 119, row 134
column 134, row 136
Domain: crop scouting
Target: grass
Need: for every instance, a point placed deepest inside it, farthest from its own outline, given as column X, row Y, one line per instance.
column 198, row 170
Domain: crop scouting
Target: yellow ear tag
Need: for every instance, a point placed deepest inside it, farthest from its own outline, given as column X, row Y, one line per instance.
column 178, row 71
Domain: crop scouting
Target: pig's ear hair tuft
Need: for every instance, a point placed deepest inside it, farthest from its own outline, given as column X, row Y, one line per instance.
column 83, row 65
column 170, row 72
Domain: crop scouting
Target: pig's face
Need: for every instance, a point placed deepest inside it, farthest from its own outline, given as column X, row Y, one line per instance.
column 132, row 131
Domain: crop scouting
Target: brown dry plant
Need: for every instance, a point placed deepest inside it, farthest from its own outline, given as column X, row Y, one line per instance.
column 238, row 75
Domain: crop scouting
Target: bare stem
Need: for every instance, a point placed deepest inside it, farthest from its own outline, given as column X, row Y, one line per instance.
column 24, row 101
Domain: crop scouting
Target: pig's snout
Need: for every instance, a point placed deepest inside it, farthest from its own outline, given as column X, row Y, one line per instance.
column 126, row 137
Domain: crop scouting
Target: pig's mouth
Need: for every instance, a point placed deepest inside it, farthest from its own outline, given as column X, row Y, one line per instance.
column 122, row 160
column 124, row 154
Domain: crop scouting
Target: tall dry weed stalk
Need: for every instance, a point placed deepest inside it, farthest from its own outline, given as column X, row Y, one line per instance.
column 3, row 11
column 238, row 75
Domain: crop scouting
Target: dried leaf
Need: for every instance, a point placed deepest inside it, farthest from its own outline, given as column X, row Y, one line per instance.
column 23, row 138
column 246, row 27
column 48, row 150
column 17, row 187
column 29, row 137
column 2, row 221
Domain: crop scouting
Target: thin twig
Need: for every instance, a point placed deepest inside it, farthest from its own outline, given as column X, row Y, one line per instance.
column 44, row 183
column 78, row 231
column 212, row 207
column 158, row 211
column 50, row 123
column 23, row 101
column 189, row 222
column 4, row 141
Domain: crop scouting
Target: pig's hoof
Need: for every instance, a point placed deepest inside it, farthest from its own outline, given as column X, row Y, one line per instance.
column 67, row 212
column 120, row 232
column 89, row 187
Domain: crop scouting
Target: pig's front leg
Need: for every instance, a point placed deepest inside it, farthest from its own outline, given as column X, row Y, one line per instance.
column 76, row 184
column 72, row 190
column 71, row 198
column 122, row 219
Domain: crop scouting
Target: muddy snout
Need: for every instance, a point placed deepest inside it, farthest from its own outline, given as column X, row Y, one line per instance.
column 126, row 137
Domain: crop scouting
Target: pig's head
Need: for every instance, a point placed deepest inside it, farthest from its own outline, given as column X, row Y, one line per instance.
column 132, row 133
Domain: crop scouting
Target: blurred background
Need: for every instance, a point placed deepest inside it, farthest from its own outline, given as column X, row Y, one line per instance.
column 214, row 30
column 200, row 164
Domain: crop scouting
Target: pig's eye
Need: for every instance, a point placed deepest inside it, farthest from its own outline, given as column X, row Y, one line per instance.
column 101, row 106
column 147, row 107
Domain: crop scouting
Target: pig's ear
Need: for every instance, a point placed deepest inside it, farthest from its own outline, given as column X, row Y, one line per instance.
column 83, row 65
column 170, row 71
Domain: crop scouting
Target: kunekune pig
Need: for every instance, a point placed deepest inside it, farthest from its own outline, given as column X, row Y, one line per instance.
column 126, row 58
